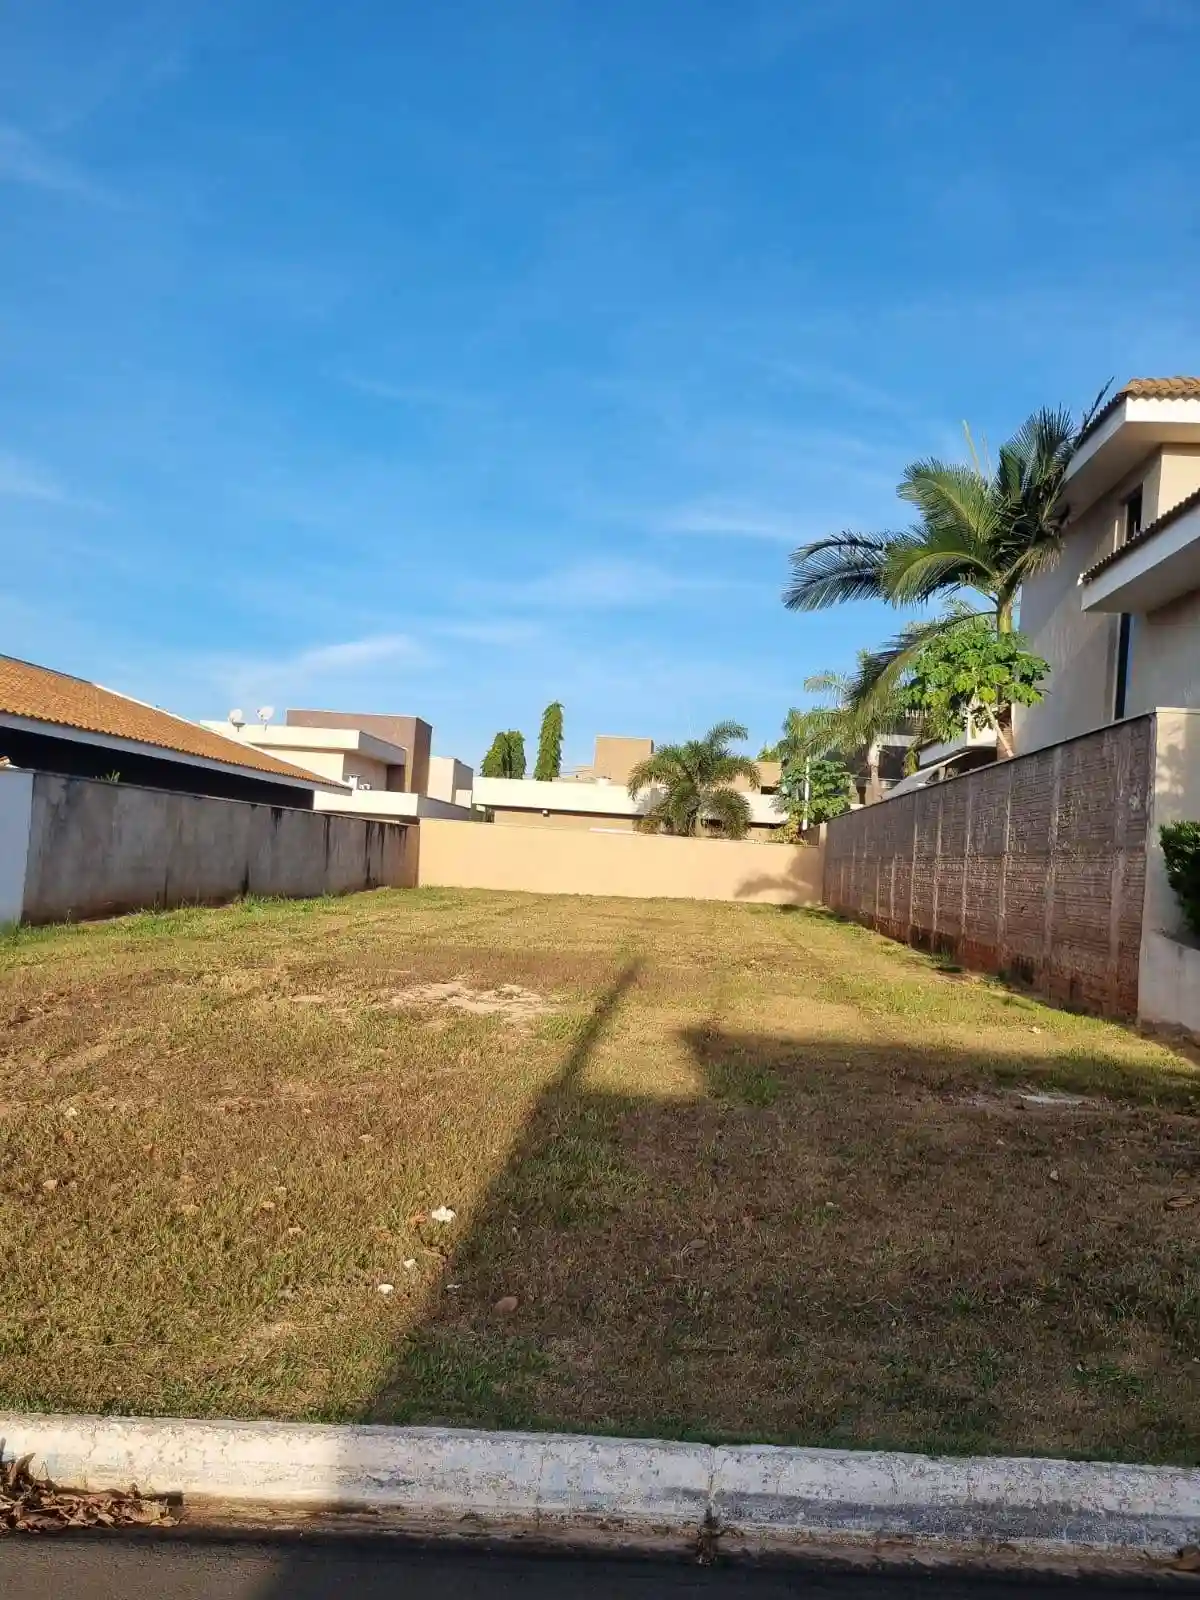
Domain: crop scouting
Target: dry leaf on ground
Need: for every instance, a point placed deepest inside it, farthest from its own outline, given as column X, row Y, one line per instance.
column 36, row 1505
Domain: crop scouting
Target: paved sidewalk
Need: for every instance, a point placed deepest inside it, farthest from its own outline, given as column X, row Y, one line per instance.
column 112, row 1569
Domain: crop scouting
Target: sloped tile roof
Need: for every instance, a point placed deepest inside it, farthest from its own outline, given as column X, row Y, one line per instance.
column 42, row 695
column 1148, row 532
column 1179, row 388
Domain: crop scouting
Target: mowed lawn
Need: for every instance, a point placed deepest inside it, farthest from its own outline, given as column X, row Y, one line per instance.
column 717, row 1171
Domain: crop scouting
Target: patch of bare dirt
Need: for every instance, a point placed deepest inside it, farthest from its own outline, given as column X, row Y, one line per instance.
column 1030, row 1100
column 508, row 1000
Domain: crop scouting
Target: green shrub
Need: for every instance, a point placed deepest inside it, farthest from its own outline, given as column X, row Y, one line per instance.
column 1181, row 851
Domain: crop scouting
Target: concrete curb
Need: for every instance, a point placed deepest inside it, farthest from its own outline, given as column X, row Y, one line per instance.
column 756, row 1493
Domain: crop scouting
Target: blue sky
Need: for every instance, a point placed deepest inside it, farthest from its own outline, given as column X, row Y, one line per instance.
column 449, row 359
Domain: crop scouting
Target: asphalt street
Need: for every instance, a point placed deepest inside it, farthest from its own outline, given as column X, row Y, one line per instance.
column 80, row 1568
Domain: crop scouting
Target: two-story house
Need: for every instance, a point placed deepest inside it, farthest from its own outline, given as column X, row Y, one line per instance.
column 1118, row 617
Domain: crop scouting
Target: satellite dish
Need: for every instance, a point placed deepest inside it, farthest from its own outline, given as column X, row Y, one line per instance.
column 236, row 717
column 264, row 714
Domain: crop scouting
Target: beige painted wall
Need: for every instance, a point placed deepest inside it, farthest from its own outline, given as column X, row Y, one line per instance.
column 448, row 777
column 327, row 763
column 1164, row 657
column 769, row 774
column 561, row 861
column 615, row 758
column 412, row 734
column 593, row 822
column 571, row 821
column 1173, row 476
column 366, row 770
column 337, row 764
column 1080, row 647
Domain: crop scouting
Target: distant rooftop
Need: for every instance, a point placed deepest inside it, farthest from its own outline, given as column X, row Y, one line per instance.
column 40, row 694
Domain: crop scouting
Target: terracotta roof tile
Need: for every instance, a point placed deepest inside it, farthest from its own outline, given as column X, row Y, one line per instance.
column 1151, row 528
column 1179, row 388
column 42, row 695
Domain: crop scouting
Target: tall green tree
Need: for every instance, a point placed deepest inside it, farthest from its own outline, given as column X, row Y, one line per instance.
column 847, row 728
column 505, row 757
column 695, row 780
column 973, row 677
column 817, row 789
column 549, row 757
column 977, row 528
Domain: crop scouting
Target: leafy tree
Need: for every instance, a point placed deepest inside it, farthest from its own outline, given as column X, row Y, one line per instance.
column 695, row 781
column 848, row 729
column 978, row 528
column 549, row 756
column 818, row 788
column 1181, row 855
column 974, row 676
column 505, row 757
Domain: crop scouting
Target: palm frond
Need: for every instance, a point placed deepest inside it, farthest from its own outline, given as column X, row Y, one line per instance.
column 1042, row 441
column 729, row 808
column 880, row 671
column 845, row 566
column 808, row 734
column 728, row 732
column 952, row 499
column 663, row 767
column 730, row 767
column 916, row 575
column 829, row 683
column 681, row 806
column 1097, row 405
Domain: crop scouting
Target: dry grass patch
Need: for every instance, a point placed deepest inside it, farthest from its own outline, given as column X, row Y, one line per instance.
column 719, row 1171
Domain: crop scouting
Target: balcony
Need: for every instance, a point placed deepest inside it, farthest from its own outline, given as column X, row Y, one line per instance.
column 1152, row 568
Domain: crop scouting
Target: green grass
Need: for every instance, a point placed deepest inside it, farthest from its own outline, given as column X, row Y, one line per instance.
column 746, row 1174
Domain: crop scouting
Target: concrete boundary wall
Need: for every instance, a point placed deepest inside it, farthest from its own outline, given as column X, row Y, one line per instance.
column 556, row 861
column 1169, row 970
column 95, row 849
column 16, row 804
column 1035, row 867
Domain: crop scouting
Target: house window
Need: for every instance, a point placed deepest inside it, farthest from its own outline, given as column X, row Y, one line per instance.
column 1124, row 635
column 1133, row 516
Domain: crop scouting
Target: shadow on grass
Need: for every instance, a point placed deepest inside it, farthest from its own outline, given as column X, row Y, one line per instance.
column 827, row 1244
column 824, row 1244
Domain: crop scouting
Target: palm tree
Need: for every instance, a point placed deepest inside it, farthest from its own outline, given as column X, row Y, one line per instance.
column 851, row 726
column 978, row 528
column 695, row 780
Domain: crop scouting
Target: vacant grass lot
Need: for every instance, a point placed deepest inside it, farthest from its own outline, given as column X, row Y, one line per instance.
column 718, row 1171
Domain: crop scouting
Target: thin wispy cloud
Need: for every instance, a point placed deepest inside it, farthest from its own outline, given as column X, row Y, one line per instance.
column 358, row 653
column 604, row 585
column 327, row 668
column 498, row 633
column 23, row 160
column 829, row 381
column 730, row 521
column 24, row 480
column 433, row 396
